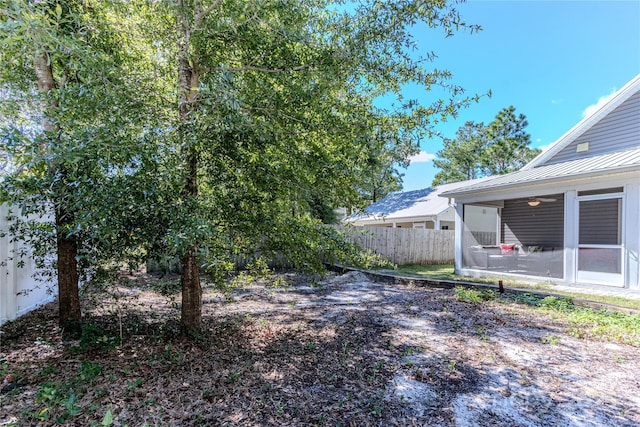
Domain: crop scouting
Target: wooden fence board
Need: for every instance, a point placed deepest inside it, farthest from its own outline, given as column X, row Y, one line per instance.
column 405, row 245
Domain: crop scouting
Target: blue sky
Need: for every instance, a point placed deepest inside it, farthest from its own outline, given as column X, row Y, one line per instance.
column 551, row 60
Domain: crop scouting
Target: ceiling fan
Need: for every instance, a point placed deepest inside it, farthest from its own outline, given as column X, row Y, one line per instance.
column 535, row 201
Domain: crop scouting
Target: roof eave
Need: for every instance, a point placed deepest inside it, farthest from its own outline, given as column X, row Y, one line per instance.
column 585, row 124
column 542, row 181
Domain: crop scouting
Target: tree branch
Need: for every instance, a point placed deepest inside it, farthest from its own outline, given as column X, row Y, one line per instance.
column 266, row 70
column 202, row 13
column 211, row 7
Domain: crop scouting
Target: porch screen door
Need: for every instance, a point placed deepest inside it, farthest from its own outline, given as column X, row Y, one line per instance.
column 600, row 255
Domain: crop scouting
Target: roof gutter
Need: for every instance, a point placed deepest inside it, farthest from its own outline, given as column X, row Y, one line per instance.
column 542, row 181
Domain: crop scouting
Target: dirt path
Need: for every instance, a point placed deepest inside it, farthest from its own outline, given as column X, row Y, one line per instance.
column 346, row 351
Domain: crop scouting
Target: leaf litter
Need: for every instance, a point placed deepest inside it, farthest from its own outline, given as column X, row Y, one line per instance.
column 343, row 351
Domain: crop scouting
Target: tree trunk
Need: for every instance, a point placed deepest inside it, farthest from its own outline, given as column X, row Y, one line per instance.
column 67, row 249
column 67, row 269
column 191, row 292
column 188, row 82
column 190, row 279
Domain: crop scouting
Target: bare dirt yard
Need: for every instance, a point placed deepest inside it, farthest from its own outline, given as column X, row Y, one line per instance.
column 342, row 351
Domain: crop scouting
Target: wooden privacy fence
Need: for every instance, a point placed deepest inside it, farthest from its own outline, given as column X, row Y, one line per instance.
column 405, row 245
column 401, row 246
column 472, row 238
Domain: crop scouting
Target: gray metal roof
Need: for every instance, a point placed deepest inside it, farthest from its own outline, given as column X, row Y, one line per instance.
column 602, row 164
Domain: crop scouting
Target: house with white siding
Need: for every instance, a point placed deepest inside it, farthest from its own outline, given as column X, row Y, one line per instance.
column 20, row 288
column 572, row 214
column 422, row 208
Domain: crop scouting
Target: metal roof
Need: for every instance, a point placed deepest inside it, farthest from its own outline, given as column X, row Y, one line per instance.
column 609, row 163
column 409, row 204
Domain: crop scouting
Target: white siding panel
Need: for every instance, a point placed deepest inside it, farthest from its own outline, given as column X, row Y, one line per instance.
column 20, row 292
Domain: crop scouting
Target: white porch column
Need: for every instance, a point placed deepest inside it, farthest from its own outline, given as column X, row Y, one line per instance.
column 459, row 219
column 631, row 239
column 570, row 235
column 498, row 226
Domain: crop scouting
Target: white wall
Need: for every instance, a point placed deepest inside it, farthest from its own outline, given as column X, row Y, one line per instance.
column 20, row 292
column 448, row 215
column 481, row 218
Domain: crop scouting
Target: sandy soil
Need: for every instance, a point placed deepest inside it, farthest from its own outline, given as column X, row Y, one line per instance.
column 345, row 351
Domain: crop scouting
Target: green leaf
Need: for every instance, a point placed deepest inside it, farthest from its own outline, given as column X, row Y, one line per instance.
column 108, row 419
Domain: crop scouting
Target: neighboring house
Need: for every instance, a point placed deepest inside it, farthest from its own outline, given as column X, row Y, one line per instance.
column 572, row 213
column 413, row 209
column 20, row 292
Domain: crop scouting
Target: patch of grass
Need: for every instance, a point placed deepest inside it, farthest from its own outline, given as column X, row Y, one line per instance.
column 408, row 352
column 438, row 271
column 550, row 339
column 618, row 301
column 555, row 303
column 88, row 371
column 473, row 296
column 169, row 356
column 611, row 325
column 446, row 272
column 587, row 322
column 482, row 332
column 233, row 377
column 451, row 365
column 611, row 300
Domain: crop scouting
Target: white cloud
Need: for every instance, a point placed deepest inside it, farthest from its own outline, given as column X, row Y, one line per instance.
column 557, row 101
column 422, row 157
column 546, row 147
column 595, row 107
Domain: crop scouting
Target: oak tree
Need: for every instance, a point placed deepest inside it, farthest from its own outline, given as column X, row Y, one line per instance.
column 72, row 63
column 273, row 100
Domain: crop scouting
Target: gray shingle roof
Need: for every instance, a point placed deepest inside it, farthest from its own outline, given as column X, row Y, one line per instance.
column 401, row 205
column 410, row 204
